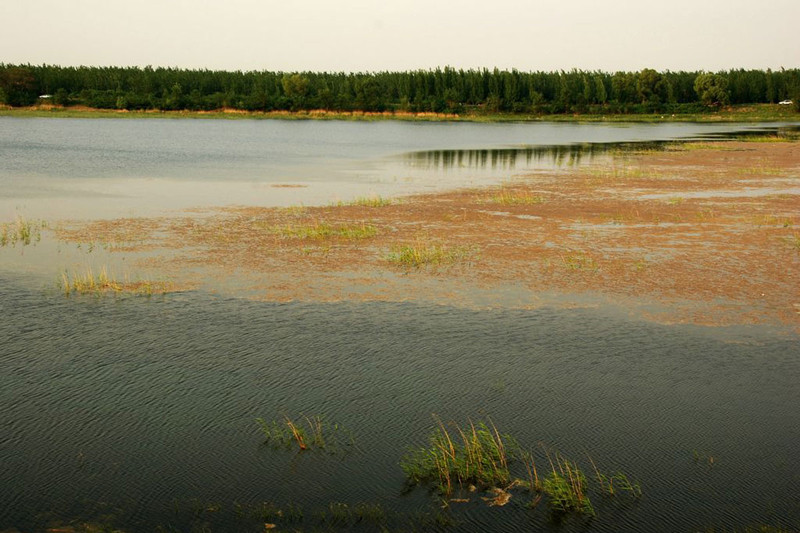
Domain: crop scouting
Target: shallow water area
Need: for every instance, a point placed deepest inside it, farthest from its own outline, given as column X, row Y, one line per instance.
column 140, row 413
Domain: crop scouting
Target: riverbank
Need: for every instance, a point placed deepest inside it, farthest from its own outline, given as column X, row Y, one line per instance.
column 745, row 113
column 706, row 233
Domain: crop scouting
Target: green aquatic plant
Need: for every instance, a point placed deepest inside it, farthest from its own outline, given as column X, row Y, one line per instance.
column 323, row 230
column 566, row 487
column 90, row 283
column 306, row 432
column 422, row 254
column 616, row 483
column 457, row 455
column 24, row 232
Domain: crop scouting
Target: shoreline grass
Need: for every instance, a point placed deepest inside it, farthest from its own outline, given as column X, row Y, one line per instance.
column 738, row 113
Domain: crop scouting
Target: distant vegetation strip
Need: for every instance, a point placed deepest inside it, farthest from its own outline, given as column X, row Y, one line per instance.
column 441, row 91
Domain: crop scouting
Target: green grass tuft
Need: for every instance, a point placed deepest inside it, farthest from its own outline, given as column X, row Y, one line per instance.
column 21, row 231
column 424, row 254
column 323, row 230
column 473, row 454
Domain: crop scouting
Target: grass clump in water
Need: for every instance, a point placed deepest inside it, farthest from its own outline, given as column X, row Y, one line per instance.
column 323, row 230
column 306, row 432
column 89, row 283
column 21, row 231
column 423, row 254
column 566, row 487
column 474, row 454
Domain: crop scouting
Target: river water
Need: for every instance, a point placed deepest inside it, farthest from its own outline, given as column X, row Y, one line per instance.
column 139, row 413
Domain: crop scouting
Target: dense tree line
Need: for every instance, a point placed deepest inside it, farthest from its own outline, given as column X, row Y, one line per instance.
column 440, row 90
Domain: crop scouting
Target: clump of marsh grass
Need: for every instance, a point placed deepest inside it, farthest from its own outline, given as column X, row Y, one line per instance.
column 566, row 487
column 367, row 201
column 510, row 197
column 90, row 283
column 306, row 432
column 21, row 231
column 323, row 230
column 473, row 454
column 421, row 254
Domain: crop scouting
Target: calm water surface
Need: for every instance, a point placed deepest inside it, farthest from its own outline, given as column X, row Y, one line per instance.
column 100, row 168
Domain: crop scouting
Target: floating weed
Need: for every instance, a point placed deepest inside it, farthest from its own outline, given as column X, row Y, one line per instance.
column 89, row 283
column 307, row 432
column 472, row 454
column 323, row 230
column 423, row 254
column 24, row 232
column 509, row 197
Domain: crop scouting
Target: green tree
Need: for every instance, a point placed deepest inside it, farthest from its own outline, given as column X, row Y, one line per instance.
column 295, row 86
column 600, row 90
column 19, row 86
column 712, row 89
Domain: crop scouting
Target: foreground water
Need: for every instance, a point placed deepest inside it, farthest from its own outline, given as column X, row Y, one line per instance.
column 139, row 413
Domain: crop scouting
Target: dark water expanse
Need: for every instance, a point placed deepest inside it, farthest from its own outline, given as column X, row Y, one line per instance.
column 101, row 168
column 139, row 413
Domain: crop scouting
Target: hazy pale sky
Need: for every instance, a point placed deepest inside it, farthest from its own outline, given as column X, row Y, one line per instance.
column 361, row 35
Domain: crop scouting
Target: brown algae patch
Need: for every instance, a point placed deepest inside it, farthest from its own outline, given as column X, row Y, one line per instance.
column 681, row 227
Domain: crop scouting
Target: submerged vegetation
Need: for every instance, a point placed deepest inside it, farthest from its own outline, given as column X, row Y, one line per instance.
column 21, row 231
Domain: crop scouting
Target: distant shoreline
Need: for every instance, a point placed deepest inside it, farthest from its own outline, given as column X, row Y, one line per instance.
column 741, row 113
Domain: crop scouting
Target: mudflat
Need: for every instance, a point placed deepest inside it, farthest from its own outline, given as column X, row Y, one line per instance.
column 707, row 233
